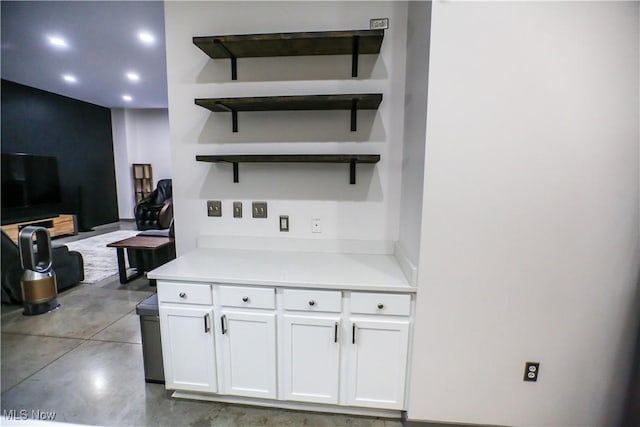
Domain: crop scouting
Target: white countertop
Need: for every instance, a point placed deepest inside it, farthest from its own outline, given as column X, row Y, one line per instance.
column 290, row 269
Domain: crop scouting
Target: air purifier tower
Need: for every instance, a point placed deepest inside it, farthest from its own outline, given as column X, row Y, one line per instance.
column 38, row 281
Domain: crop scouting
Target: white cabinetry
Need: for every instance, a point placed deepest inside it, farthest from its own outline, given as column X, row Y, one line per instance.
column 329, row 347
column 311, row 359
column 248, row 341
column 377, row 363
column 188, row 338
column 379, row 350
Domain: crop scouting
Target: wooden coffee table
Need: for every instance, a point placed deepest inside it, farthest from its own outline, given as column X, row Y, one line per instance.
column 151, row 244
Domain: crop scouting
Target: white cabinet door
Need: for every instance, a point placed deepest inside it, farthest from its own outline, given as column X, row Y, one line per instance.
column 188, row 348
column 377, row 363
column 311, row 358
column 248, row 343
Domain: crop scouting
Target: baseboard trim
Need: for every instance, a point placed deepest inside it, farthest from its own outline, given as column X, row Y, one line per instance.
column 407, row 423
column 297, row 406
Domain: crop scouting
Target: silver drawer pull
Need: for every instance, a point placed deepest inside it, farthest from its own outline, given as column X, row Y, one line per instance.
column 245, row 299
column 223, row 323
column 380, row 306
column 207, row 328
column 183, row 295
column 312, row 303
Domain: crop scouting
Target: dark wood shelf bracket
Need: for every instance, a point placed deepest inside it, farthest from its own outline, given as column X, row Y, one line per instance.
column 234, row 120
column 232, row 57
column 354, row 115
column 354, row 56
column 352, row 172
column 235, row 172
column 234, row 116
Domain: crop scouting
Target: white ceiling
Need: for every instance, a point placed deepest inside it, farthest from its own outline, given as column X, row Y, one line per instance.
column 103, row 45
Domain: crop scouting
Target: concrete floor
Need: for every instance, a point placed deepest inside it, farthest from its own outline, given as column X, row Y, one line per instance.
column 83, row 362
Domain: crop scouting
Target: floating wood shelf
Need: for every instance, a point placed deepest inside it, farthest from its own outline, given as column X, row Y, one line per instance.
column 292, row 44
column 352, row 159
column 353, row 102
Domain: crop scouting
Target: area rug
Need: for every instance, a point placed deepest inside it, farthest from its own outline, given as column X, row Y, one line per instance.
column 100, row 261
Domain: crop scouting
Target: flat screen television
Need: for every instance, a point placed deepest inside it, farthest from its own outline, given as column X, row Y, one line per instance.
column 30, row 187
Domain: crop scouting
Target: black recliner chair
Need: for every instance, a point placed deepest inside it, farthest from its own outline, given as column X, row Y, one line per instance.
column 68, row 266
column 156, row 210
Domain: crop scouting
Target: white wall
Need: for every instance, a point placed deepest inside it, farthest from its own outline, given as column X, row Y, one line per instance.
column 122, row 166
column 149, row 132
column 415, row 113
column 140, row 136
column 530, row 217
column 366, row 211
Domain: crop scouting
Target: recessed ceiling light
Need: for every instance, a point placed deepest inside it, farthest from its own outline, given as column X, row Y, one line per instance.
column 146, row 37
column 69, row 78
column 57, row 41
column 134, row 77
column 127, row 97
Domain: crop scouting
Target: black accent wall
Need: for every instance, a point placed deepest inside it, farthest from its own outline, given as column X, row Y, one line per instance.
column 78, row 134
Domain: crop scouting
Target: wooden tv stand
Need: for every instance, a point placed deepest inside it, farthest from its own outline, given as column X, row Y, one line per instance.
column 58, row 226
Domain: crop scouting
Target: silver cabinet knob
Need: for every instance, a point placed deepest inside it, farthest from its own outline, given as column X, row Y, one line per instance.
column 312, row 303
column 183, row 295
column 380, row 306
column 245, row 299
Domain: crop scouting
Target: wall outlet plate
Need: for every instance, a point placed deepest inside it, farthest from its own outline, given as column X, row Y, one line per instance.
column 237, row 209
column 214, row 208
column 259, row 209
column 379, row 23
column 284, row 222
column 316, row 225
column 531, row 370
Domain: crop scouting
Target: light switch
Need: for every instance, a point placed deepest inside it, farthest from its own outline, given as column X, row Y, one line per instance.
column 259, row 209
column 237, row 209
column 284, row 222
column 214, row 208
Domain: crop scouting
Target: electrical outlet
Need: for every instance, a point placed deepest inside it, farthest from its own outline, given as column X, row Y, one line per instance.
column 237, row 209
column 316, row 225
column 284, row 222
column 379, row 23
column 531, row 370
column 214, row 208
column 259, row 209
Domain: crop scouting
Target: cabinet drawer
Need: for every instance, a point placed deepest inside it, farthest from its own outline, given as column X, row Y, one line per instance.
column 312, row 300
column 186, row 293
column 240, row 296
column 372, row 303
